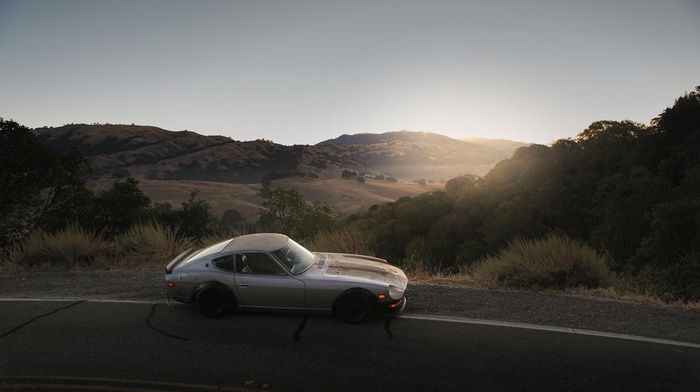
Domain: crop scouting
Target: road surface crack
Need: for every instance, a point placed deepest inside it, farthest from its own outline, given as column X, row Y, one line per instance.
column 153, row 327
column 38, row 317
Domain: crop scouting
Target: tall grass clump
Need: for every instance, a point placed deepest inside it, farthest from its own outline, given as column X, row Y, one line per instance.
column 552, row 262
column 344, row 240
column 151, row 246
column 72, row 247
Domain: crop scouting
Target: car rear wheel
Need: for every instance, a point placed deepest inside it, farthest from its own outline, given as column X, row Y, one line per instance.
column 213, row 302
column 353, row 308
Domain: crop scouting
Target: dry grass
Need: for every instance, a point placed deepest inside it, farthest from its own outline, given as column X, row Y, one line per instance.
column 554, row 261
column 150, row 246
column 346, row 240
column 73, row 247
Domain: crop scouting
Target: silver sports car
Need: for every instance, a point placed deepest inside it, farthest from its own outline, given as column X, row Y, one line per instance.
column 271, row 272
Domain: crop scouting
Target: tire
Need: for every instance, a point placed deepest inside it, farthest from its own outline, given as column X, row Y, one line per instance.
column 353, row 308
column 213, row 302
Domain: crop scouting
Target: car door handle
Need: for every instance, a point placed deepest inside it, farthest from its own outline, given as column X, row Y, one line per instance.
column 243, row 285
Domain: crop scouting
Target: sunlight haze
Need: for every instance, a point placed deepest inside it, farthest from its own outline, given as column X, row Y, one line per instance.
column 300, row 72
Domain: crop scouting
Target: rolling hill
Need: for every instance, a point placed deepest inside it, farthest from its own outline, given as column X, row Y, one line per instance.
column 229, row 173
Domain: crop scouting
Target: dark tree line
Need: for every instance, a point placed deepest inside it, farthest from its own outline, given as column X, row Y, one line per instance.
column 46, row 190
column 631, row 191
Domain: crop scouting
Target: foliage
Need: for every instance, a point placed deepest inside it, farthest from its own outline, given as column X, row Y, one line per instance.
column 42, row 189
column 71, row 247
column 195, row 217
column 677, row 281
column 674, row 232
column 118, row 208
column 231, row 219
column 193, row 220
column 464, row 182
column 629, row 190
column 348, row 174
column 151, row 245
column 288, row 212
column 555, row 261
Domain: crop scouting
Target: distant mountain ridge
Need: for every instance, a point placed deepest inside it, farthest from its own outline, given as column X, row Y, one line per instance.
column 410, row 155
column 153, row 153
column 374, row 138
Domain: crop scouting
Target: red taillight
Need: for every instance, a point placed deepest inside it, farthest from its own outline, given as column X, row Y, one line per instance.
column 171, row 284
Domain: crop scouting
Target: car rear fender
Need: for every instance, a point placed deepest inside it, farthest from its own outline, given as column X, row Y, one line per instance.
column 204, row 285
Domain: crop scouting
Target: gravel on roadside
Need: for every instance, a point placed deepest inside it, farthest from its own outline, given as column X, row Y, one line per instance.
column 642, row 319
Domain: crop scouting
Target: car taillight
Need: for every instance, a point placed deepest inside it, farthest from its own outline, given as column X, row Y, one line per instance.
column 171, row 284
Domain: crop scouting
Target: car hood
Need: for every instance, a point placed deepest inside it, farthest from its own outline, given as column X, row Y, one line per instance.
column 359, row 267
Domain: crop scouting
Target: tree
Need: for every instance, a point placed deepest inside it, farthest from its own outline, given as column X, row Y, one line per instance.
column 289, row 212
column 622, row 212
column 231, row 218
column 41, row 188
column 120, row 207
column 348, row 174
column 678, row 123
column 195, row 217
column 457, row 184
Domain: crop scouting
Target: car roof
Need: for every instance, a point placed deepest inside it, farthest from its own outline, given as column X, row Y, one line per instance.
column 264, row 242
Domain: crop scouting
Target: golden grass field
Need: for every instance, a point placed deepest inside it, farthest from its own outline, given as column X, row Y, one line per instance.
column 343, row 196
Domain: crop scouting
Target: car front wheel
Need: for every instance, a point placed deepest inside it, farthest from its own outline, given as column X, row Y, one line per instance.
column 353, row 308
column 213, row 302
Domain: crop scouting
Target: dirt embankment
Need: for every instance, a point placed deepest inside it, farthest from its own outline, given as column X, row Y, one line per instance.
column 649, row 320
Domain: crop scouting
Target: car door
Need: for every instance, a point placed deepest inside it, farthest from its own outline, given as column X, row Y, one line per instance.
column 261, row 282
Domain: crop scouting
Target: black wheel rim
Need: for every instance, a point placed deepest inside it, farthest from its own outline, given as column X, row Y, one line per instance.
column 353, row 308
column 213, row 301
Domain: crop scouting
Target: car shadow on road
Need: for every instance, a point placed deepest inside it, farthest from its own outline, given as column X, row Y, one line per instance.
column 184, row 322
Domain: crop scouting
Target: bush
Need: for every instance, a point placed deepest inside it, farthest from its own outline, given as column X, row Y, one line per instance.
column 71, row 247
column 151, row 245
column 553, row 262
column 677, row 282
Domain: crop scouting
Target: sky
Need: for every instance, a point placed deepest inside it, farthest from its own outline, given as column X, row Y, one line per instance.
column 304, row 71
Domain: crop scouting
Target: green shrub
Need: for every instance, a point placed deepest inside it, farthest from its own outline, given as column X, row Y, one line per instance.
column 677, row 282
column 71, row 247
column 552, row 262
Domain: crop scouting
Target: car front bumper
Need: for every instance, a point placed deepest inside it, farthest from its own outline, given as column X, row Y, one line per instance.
column 393, row 309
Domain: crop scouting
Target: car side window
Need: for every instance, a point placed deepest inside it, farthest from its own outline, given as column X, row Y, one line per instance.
column 223, row 262
column 258, row 264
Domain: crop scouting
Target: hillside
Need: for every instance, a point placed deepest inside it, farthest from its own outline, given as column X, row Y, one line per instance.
column 413, row 155
column 153, row 153
column 343, row 196
column 229, row 173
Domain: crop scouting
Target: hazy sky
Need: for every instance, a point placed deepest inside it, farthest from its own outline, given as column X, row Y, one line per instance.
column 300, row 72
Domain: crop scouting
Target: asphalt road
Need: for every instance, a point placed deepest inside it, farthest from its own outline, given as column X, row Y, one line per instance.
column 107, row 346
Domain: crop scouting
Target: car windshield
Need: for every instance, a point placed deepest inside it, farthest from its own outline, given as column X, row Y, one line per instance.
column 295, row 257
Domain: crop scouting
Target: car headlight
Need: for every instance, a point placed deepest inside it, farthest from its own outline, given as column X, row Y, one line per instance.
column 396, row 292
